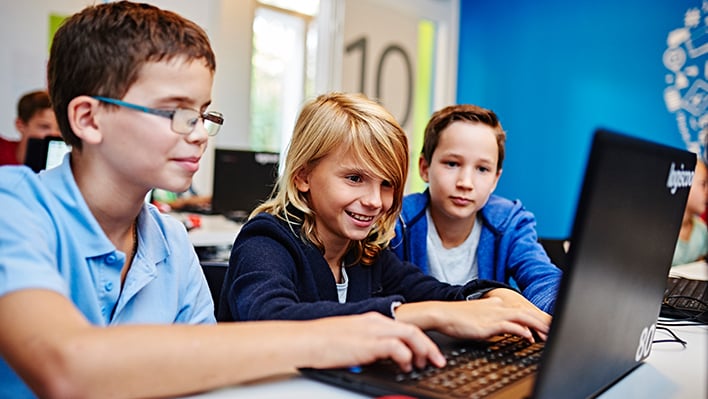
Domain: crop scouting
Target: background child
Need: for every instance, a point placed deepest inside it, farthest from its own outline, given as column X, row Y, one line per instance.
column 692, row 243
column 457, row 230
column 319, row 247
column 91, row 277
column 35, row 120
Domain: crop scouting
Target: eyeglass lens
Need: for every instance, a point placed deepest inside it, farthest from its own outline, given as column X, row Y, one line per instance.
column 185, row 120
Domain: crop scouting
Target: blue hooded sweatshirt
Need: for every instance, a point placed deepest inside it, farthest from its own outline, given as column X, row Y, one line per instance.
column 508, row 251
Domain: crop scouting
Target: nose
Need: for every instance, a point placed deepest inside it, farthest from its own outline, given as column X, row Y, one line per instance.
column 465, row 178
column 372, row 198
column 199, row 134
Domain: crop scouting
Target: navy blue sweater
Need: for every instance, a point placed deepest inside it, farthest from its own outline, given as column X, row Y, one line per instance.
column 274, row 274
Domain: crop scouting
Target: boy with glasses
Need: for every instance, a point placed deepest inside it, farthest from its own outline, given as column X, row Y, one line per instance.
column 100, row 294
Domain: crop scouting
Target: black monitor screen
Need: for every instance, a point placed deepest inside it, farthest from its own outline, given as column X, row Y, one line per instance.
column 242, row 181
column 45, row 153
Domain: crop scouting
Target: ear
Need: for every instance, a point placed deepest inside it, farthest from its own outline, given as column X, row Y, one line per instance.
column 82, row 113
column 423, row 167
column 20, row 126
column 496, row 180
column 302, row 180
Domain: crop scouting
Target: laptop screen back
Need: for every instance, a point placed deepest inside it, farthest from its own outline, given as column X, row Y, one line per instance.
column 45, row 153
column 242, row 180
column 626, row 224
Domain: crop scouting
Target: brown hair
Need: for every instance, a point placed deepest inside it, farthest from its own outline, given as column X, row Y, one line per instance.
column 100, row 51
column 463, row 112
column 31, row 103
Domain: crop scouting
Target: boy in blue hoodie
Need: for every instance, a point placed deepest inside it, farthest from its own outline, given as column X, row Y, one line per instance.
column 457, row 230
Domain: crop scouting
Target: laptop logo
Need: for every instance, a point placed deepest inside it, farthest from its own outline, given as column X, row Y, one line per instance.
column 678, row 178
column 645, row 340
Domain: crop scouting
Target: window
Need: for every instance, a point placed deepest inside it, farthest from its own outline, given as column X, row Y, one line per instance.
column 282, row 68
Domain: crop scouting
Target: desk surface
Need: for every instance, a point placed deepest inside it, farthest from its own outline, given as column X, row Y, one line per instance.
column 215, row 230
column 671, row 371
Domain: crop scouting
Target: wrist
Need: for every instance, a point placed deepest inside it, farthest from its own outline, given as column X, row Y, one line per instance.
column 424, row 315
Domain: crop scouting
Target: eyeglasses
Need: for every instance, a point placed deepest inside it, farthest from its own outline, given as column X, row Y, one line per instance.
column 184, row 120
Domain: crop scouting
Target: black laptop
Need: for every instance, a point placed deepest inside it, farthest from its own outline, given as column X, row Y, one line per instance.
column 45, row 153
column 626, row 225
column 242, row 180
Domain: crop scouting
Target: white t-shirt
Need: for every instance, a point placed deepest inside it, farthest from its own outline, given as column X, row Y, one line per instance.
column 343, row 286
column 456, row 265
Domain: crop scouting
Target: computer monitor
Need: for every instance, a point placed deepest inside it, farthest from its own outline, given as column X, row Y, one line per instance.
column 45, row 153
column 242, row 180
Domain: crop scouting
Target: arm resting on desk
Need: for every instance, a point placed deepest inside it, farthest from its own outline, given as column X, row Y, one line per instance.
column 81, row 360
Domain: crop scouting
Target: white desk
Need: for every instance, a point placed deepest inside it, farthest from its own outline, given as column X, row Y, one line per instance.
column 670, row 372
column 215, row 230
column 697, row 270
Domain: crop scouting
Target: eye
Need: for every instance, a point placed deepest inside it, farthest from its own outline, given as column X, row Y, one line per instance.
column 191, row 122
column 451, row 164
column 354, row 178
column 386, row 184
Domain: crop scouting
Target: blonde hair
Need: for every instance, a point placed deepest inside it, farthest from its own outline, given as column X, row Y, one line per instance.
column 367, row 131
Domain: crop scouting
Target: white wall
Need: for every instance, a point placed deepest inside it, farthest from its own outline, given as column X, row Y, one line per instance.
column 24, row 29
column 24, row 51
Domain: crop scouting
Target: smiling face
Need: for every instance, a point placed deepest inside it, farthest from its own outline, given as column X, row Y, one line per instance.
column 141, row 149
column 346, row 198
column 462, row 172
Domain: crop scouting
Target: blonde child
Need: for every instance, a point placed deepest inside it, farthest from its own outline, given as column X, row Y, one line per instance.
column 319, row 247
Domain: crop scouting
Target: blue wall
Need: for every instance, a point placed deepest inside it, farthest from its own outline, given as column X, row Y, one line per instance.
column 554, row 71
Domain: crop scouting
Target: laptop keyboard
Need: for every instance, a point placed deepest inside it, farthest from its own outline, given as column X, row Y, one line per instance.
column 685, row 297
column 473, row 372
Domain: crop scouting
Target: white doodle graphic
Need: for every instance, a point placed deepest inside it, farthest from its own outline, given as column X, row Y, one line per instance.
column 686, row 94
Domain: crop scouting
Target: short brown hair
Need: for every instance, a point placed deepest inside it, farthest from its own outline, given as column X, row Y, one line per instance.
column 466, row 113
column 31, row 103
column 100, row 51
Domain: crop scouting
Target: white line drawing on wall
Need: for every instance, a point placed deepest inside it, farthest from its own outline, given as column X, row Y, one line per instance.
column 686, row 94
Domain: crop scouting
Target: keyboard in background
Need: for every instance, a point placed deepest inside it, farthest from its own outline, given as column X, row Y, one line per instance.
column 685, row 298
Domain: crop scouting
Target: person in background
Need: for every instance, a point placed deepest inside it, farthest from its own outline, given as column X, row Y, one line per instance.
column 320, row 246
column 457, row 230
column 101, row 295
column 35, row 120
column 692, row 243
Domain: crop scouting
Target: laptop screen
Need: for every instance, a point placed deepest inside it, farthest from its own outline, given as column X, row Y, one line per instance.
column 45, row 153
column 242, row 180
column 55, row 153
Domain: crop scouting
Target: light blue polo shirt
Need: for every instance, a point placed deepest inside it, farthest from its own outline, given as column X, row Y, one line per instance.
column 49, row 239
